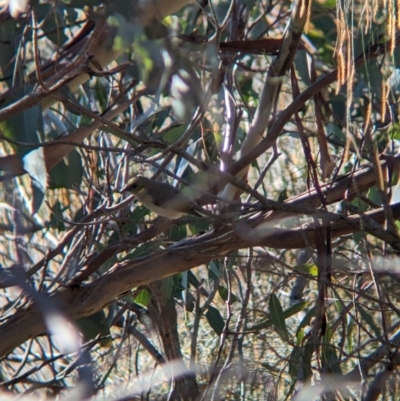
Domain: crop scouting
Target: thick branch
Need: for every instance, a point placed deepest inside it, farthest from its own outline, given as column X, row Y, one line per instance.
column 90, row 298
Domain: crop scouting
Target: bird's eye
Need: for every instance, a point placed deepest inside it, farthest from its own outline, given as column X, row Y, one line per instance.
column 134, row 186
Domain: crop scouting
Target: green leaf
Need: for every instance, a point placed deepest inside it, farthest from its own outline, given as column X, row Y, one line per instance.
column 302, row 66
column 329, row 359
column 223, row 293
column 177, row 232
column 283, row 195
column 298, row 307
column 95, row 325
column 394, row 131
column 55, row 222
column 248, row 3
column 38, row 196
column 300, row 335
column 24, row 126
column 278, row 318
column 192, row 279
column 159, row 117
column 187, row 297
column 173, row 134
column 358, row 237
column 51, row 20
column 307, row 268
column 185, row 280
column 178, row 288
column 295, row 363
column 372, row 74
column 368, row 318
column 35, row 166
column 338, row 104
column 186, row 92
column 8, row 48
column 374, row 195
column 198, row 225
column 218, row 138
column 68, row 172
column 214, row 270
column 127, row 9
column 300, row 359
column 138, row 214
column 307, row 318
column 215, row 320
column 143, row 297
column 189, row 301
column 71, row 15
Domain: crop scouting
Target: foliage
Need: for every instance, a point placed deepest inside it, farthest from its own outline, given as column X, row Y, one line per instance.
column 280, row 120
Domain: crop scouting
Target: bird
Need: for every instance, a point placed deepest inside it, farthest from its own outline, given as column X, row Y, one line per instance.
column 161, row 198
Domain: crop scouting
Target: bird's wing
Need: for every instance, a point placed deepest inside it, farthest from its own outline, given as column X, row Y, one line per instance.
column 179, row 202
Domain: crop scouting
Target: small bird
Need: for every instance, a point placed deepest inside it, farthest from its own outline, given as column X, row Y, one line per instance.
column 161, row 198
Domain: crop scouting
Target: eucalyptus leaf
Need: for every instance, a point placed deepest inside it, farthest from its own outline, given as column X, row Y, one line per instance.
column 34, row 164
column 69, row 172
column 25, row 126
column 95, row 325
column 303, row 67
column 8, row 47
column 224, row 294
column 50, row 18
column 143, row 297
column 215, row 320
column 278, row 318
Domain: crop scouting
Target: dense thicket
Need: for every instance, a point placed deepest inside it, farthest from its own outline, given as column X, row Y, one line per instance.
column 280, row 120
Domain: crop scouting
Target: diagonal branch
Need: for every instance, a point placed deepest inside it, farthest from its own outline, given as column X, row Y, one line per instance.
column 371, row 51
column 87, row 299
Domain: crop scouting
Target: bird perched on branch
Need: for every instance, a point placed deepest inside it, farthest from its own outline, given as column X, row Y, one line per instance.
column 161, row 198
